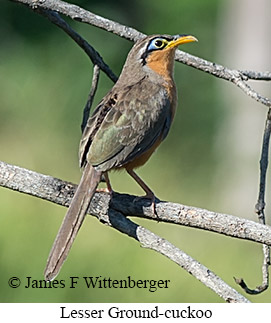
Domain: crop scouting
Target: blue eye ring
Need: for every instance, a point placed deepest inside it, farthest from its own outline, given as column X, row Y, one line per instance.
column 157, row 43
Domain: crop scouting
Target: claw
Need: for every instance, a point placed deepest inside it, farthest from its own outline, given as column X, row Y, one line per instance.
column 104, row 190
column 153, row 204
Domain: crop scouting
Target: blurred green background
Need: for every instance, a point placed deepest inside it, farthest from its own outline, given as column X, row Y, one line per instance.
column 44, row 83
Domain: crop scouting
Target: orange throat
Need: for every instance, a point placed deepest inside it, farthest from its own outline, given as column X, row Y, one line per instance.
column 162, row 62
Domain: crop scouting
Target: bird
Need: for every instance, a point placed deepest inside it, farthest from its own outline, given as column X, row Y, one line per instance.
column 124, row 130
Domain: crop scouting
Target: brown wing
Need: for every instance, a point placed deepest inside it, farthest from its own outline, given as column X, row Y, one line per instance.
column 93, row 124
column 125, row 124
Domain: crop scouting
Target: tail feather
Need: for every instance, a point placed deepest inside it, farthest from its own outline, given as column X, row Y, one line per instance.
column 72, row 221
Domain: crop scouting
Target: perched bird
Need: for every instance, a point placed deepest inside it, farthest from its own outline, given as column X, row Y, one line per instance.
column 124, row 130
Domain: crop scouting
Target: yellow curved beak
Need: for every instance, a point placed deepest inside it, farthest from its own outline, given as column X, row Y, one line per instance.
column 181, row 39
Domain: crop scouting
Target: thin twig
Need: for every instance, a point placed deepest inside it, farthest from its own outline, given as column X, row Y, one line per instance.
column 251, row 92
column 259, row 76
column 234, row 76
column 94, row 85
column 259, row 209
column 95, row 57
column 260, row 205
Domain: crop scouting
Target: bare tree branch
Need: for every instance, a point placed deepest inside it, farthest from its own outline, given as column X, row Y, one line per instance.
column 80, row 14
column 150, row 240
column 260, row 76
column 95, row 57
column 94, row 85
column 260, row 205
column 60, row 192
column 259, row 209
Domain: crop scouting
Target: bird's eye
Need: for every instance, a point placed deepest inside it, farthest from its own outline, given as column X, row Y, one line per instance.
column 159, row 43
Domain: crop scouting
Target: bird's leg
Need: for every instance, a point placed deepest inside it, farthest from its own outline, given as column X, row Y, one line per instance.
column 108, row 184
column 108, row 188
column 149, row 193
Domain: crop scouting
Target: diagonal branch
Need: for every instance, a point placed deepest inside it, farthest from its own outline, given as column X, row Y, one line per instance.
column 95, row 57
column 150, row 240
column 79, row 14
column 60, row 192
column 94, row 85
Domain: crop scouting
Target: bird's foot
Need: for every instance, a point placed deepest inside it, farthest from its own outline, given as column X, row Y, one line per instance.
column 105, row 190
column 149, row 193
column 149, row 196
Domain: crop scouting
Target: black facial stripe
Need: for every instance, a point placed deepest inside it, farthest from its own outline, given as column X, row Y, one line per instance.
column 144, row 56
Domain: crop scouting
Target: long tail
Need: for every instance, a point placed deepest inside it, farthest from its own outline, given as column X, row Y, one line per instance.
column 72, row 221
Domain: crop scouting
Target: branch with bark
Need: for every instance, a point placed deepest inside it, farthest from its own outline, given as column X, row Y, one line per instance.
column 114, row 212
column 259, row 209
